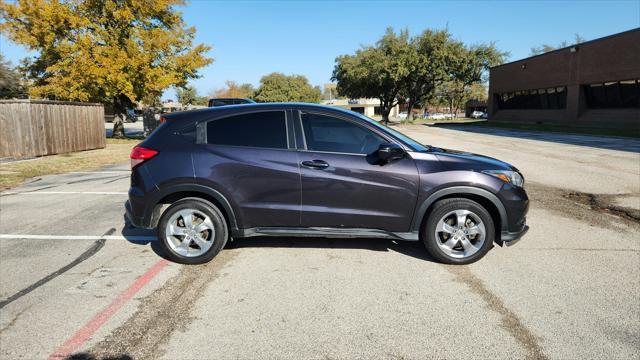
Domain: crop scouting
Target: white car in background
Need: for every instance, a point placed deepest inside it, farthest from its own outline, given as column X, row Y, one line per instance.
column 437, row 116
column 402, row 115
column 478, row 114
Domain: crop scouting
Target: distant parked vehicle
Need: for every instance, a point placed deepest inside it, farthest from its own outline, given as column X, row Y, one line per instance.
column 402, row 115
column 437, row 116
column 478, row 114
column 229, row 101
column 134, row 115
column 484, row 116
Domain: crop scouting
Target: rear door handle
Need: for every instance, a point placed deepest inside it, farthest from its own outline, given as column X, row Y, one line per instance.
column 315, row 164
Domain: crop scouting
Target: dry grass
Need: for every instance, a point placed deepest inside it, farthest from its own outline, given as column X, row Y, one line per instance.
column 116, row 152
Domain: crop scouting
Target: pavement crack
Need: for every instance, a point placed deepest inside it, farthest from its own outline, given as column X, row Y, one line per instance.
column 15, row 318
column 94, row 248
column 509, row 320
column 143, row 335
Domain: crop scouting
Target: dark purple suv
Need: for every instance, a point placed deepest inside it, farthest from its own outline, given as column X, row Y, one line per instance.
column 207, row 176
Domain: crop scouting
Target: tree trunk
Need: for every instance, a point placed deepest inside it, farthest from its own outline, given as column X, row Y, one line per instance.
column 385, row 109
column 451, row 108
column 410, row 106
column 118, row 126
column 385, row 116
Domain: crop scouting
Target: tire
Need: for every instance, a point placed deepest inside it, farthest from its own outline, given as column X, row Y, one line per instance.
column 192, row 239
column 448, row 242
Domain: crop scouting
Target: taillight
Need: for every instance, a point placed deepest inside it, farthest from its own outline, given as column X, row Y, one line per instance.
column 162, row 119
column 140, row 155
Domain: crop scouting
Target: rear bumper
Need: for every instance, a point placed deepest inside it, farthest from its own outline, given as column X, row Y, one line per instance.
column 135, row 220
column 511, row 238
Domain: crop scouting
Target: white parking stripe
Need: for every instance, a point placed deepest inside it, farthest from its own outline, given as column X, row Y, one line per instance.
column 36, row 192
column 77, row 237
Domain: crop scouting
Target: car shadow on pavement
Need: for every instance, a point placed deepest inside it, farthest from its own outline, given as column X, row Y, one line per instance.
column 596, row 141
column 409, row 248
column 414, row 249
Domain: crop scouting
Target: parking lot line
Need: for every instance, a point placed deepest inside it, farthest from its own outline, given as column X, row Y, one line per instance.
column 76, row 237
column 98, row 320
column 35, row 192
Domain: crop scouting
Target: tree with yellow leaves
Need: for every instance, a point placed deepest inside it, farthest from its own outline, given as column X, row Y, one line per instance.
column 117, row 52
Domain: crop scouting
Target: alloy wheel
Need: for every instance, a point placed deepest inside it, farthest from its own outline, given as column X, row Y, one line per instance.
column 460, row 233
column 190, row 232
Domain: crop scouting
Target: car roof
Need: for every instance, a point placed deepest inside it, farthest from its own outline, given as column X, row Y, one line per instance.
column 198, row 114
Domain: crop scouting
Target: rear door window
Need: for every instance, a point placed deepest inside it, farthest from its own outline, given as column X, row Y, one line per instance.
column 265, row 129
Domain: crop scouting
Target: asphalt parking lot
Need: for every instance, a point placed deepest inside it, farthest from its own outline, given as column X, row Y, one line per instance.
column 76, row 280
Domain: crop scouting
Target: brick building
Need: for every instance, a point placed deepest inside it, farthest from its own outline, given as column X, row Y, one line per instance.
column 595, row 84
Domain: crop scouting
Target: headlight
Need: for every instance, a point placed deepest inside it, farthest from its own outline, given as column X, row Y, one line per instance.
column 511, row 177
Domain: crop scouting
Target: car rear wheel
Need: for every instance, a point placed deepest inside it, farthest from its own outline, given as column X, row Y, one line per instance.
column 192, row 231
column 458, row 231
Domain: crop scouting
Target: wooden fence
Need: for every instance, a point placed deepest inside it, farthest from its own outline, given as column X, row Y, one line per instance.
column 30, row 128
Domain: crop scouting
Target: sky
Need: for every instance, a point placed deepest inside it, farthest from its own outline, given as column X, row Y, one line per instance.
column 250, row 39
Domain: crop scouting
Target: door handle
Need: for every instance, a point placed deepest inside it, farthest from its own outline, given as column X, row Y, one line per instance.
column 315, row 164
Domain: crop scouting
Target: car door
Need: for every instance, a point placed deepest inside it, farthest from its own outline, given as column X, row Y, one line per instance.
column 251, row 159
column 341, row 186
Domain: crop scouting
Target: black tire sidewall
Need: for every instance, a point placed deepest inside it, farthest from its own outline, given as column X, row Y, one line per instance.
column 219, row 224
column 445, row 206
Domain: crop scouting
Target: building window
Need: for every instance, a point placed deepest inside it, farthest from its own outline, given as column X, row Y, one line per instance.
column 358, row 109
column 377, row 110
column 542, row 99
column 608, row 95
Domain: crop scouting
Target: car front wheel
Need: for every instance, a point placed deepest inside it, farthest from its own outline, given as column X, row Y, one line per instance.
column 458, row 231
column 192, row 231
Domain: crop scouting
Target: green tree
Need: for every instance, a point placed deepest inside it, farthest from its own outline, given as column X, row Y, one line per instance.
column 234, row 90
column 544, row 48
column 453, row 95
column 400, row 69
column 277, row 87
column 11, row 86
column 378, row 71
column 330, row 92
column 428, row 60
column 467, row 67
column 117, row 52
column 188, row 95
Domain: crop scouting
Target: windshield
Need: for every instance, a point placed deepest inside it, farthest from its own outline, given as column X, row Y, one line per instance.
column 416, row 146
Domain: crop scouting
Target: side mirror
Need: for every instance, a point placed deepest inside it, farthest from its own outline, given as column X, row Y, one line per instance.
column 390, row 152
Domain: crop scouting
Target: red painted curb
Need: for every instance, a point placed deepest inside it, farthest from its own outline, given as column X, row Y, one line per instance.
column 81, row 336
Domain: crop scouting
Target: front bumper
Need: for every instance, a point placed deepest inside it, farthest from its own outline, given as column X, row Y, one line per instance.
column 511, row 238
column 516, row 205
